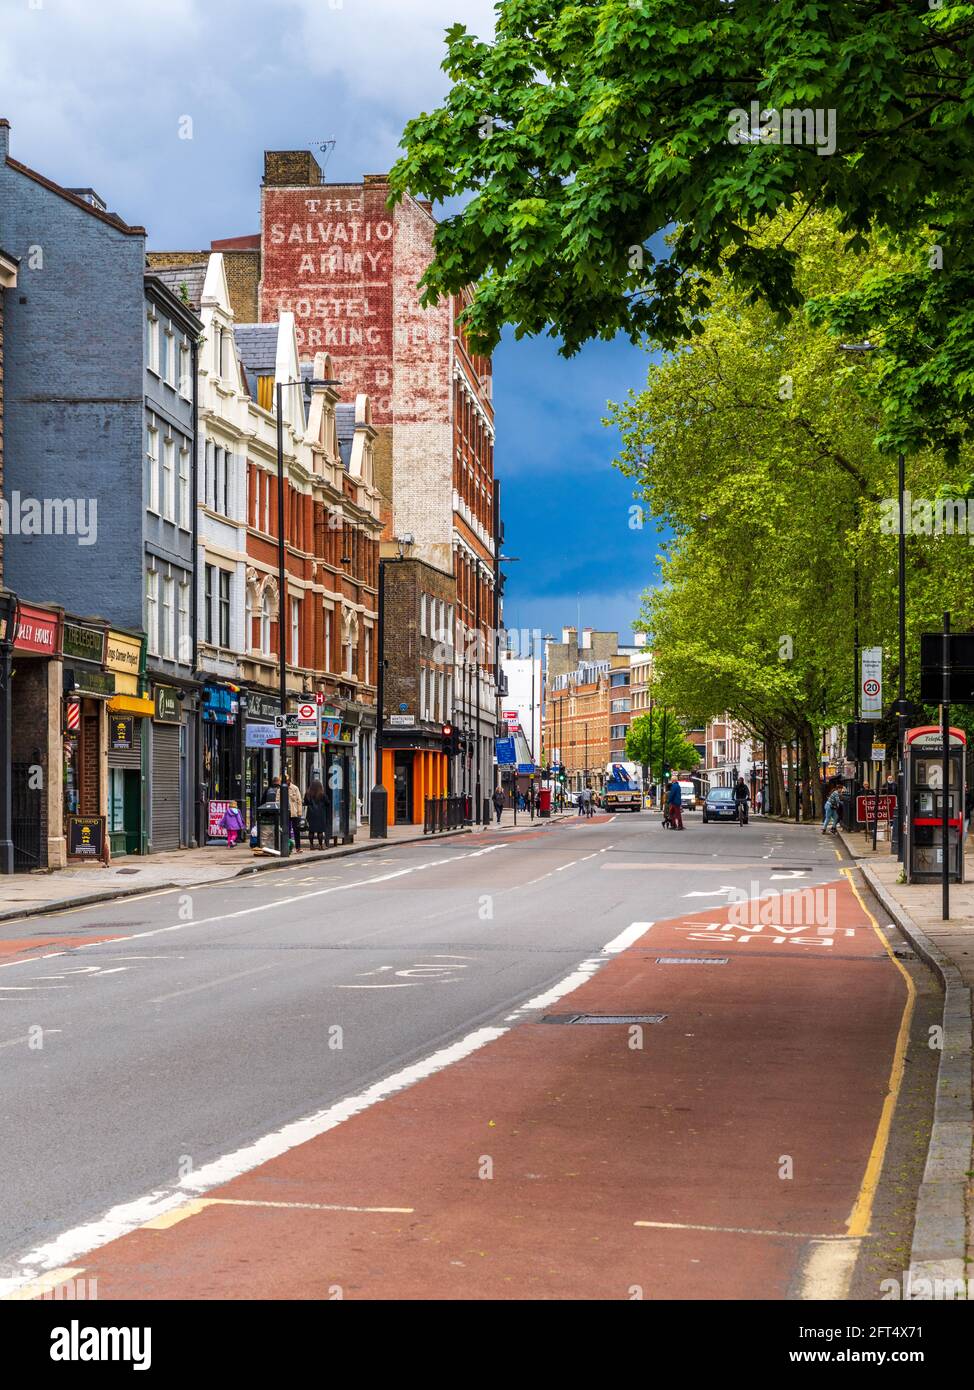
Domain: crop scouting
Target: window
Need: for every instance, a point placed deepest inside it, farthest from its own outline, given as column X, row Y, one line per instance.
column 350, row 656
column 224, row 608
column 422, row 615
column 152, row 458
column 368, row 654
column 295, row 632
column 422, row 692
column 152, row 611
column 168, row 619
column 265, row 624
column 168, row 480
column 165, row 354
column 248, row 620
column 267, row 504
column 209, row 579
column 619, row 678
column 327, row 639
column 183, row 507
column 185, row 647
column 617, row 731
column 620, row 707
column 185, row 372
column 152, row 342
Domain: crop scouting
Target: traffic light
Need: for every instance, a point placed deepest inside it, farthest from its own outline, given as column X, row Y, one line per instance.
column 451, row 739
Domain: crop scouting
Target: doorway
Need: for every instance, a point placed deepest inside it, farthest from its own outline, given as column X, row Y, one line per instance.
column 403, row 789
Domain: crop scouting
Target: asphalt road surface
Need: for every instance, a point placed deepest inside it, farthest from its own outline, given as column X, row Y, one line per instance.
column 175, row 1029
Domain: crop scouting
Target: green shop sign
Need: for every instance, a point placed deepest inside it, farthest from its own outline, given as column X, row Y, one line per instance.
column 168, row 705
column 83, row 643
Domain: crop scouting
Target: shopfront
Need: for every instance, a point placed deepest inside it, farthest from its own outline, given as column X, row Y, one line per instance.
column 169, row 782
column 414, row 768
column 87, row 689
column 129, row 769
column 261, row 755
column 35, row 741
column 221, row 770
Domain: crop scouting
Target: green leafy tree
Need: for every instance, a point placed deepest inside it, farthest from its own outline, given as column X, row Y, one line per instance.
column 754, row 448
column 656, row 740
column 589, row 128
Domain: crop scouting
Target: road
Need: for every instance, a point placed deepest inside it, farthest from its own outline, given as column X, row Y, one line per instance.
column 364, row 1038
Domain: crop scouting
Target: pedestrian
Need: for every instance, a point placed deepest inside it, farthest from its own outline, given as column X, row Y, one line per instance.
column 581, row 802
column 316, row 814
column 498, row 800
column 833, row 808
column 589, row 801
column 295, row 809
column 675, row 799
column 232, row 823
column 531, row 800
column 272, row 792
column 759, row 801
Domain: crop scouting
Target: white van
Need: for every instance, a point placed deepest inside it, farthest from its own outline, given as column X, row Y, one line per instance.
column 688, row 795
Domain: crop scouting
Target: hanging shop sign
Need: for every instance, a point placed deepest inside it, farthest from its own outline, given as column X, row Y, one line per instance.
column 86, row 837
column 37, row 631
column 121, row 732
column 221, row 704
column 123, row 655
column 262, row 707
column 85, row 680
column 82, row 643
column 261, row 736
column 168, row 705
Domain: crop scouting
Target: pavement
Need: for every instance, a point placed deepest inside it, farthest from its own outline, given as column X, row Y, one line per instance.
column 745, row 1117
column 943, row 1243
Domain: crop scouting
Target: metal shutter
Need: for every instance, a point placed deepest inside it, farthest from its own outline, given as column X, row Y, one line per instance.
column 164, row 796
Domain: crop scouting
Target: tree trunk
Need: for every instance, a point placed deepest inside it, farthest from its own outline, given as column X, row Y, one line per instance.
column 816, row 800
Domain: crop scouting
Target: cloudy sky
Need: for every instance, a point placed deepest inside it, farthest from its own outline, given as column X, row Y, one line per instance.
column 97, row 92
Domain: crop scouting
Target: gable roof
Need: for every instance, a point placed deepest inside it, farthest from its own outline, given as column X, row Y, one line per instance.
column 174, row 277
column 345, row 426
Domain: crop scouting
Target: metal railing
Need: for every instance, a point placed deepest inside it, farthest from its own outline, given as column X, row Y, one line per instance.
column 444, row 813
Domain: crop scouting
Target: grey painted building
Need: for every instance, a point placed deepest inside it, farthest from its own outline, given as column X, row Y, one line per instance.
column 99, row 484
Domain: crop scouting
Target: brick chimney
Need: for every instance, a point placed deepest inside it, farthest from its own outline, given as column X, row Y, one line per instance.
column 291, row 169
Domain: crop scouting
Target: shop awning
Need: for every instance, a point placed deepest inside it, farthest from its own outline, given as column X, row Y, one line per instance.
column 132, row 704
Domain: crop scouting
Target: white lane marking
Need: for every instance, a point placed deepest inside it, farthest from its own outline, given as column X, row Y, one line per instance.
column 734, row 1230
column 64, row 1249
column 583, row 973
column 626, row 938
column 712, row 892
column 129, row 1216
column 209, row 984
column 261, row 907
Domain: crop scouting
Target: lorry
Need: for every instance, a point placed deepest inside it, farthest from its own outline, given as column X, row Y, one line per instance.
column 622, row 792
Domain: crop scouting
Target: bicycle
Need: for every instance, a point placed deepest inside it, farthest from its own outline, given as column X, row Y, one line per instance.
column 742, row 811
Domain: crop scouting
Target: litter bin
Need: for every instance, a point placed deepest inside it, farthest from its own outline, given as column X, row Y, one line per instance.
column 544, row 801
column 269, row 829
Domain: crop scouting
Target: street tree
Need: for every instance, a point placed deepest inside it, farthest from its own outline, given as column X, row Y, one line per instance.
column 657, row 741
column 588, row 129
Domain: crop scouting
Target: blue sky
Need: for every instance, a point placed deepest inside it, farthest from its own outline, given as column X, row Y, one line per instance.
column 97, row 92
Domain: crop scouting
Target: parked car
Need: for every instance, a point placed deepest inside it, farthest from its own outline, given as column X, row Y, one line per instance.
column 720, row 805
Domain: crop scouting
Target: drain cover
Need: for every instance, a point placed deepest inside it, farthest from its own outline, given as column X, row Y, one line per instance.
column 603, row 1018
column 692, row 960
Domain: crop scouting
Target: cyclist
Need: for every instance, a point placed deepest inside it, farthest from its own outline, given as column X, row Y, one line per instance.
column 741, row 797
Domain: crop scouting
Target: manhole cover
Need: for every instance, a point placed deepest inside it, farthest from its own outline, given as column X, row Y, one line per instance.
column 692, row 960
column 603, row 1018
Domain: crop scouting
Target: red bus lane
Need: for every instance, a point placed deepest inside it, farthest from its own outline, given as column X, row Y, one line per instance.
column 729, row 1150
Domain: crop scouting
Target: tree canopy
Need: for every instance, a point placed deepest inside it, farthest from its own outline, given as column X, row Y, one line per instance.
column 588, row 129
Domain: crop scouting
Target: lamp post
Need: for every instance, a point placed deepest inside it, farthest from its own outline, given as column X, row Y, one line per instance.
column 279, row 389
column 867, row 347
column 9, row 613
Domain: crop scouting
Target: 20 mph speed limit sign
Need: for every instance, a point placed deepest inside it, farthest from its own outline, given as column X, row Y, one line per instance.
column 871, row 699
